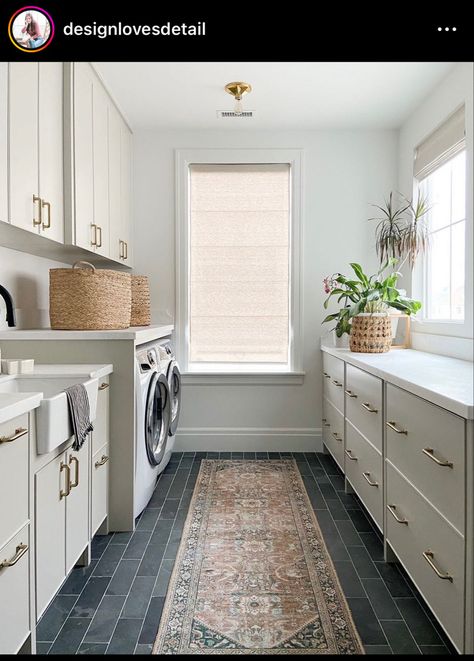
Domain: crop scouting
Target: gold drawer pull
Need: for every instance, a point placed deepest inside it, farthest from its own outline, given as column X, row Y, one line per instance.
column 336, row 437
column 48, row 206
column 75, row 460
column 94, row 240
column 63, row 494
column 325, row 422
column 39, row 220
column 393, row 425
column 20, row 551
column 126, row 250
column 392, row 509
column 21, row 431
column 350, row 455
column 103, row 386
column 369, row 408
column 367, row 477
column 428, row 556
column 350, row 393
column 326, row 375
column 99, row 245
column 337, row 383
column 430, row 453
column 104, row 459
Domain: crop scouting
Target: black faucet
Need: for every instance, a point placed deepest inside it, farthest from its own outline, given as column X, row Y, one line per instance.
column 9, row 303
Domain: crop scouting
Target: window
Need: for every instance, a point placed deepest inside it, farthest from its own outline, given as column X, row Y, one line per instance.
column 238, row 254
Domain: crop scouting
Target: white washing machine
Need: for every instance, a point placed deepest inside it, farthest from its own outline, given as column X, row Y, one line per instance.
column 158, row 398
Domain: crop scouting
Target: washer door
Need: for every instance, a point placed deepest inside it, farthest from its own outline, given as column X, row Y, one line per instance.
column 174, row 383
column 157, row 418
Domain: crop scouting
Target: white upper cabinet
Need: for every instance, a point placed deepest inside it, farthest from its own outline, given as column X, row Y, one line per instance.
column 126, row 193
column 101, row 168
column 3, row 141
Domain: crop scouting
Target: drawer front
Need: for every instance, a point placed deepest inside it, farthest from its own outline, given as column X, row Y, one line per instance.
column 364, row 470
column 333, row 380
column 100, row 487
column 363, row 394
column 335, row 434
column 432, row 435
column 14, row 591
column 426, row 531
column 14, row 491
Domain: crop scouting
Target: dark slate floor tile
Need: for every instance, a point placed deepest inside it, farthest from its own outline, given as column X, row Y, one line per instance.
column 77, row 579
column 104, row 620
column 327, row 490
column 304, row 468
column 286, row 455
column 121, row 538
column 125, row 637
column 435, row 650
column 360, row 521
column 191, row 481
column 348, row 533
column 372, row 544
column 54, row 617
column 418, row 622
column 377, row 649
column 109, row 560
column 249, row 455
column 363, row 563
column 123, row 577
column 152, row 620
column 381, row 600
column 179, row 483
column 338, row 482
column 148, row 519
column 137, row 545
column 195, row 468
column 163, row 485
column 329, row 465
column 240, row 455
column 70, row 636
column 171, row 468
column 336, row 547
column 92, row 648
column 271, row 455
column 177, row 455
column 42, row 648
column 171, row 550
column 137, row 600
column 200, row 455
column 188, row 454
column 144, row 649
column 399, row 637
column 339, row 513
column 315, row 497
column 162, row 531
column 163, row 578
column 366, row 622
column 99, row 544
column 396, row 584
column 225, row 455
column 170, row 508
column 350, row 583
column 90, row 598
column 186, row 498
column 262, row 455
column 349, row 500
column 151, row 560
column 213, row 455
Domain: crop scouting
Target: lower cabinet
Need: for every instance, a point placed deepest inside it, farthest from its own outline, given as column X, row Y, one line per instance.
column 14, row 591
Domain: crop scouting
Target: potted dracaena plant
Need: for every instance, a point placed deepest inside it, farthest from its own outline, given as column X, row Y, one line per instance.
column 366, row 301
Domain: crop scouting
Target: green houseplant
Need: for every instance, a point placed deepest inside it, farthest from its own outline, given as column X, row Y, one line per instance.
column 367, row 298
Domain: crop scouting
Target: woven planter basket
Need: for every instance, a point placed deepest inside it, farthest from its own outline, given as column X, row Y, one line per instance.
column 89, row 298
column 140, row 315
column 371, row 334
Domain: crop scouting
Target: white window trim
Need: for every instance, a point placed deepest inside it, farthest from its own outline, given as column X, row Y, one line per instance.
column 185, row 158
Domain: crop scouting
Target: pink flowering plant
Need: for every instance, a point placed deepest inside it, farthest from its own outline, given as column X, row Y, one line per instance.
column 372, row 294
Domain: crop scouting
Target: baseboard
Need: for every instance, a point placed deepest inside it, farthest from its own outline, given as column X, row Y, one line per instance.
column 248, row 439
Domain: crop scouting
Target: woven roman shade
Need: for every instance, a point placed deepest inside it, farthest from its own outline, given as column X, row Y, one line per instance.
column 441, row 145
column 239, row 263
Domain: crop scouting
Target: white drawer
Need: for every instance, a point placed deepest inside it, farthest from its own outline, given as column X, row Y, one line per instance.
column 14, row 591
column 364, row 470
column 364, row 404
column 333, row 380
column 14, row 487
column 427, row 532
column 431, row 435
column 334, row 437
column 100, row 484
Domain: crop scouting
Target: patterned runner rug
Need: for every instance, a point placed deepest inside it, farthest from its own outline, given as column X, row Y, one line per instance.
column 253, row 575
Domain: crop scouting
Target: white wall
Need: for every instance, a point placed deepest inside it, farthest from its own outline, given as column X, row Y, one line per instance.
column 344, row 172
column 455, row 89
column 27, row 279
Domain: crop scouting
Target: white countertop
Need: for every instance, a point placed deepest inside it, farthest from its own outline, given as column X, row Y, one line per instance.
column 140, row 334
column 15, row 404
column 447, row 382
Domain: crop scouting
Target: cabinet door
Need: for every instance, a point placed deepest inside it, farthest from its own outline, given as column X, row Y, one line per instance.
column 115, row 185
column 77, row 505
column 50, row 525
column 126, row 192
column 100, row 435
column 83, row 157
column 100, row 484
column 14, row 480
column 23, row 137
column 3, row 141
column 101, row 166
column 50, row 138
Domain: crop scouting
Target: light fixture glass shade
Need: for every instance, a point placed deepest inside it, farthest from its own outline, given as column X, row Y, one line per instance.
column 238, row 109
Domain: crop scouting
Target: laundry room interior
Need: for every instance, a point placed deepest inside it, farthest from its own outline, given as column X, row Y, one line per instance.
column 236, row 344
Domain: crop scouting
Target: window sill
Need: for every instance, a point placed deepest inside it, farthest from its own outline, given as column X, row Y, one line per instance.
column 243, row 378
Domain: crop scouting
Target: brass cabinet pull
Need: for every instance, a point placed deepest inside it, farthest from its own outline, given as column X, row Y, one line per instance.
column 350, row 455
column 337, row 383
column 430, row 453
column 37, row 221
column 367, row 477
column 369, row 408
column 120, row 249
column 94, row 239
column 428, row 556
column 393, row 511
column 20, row 551
column 99, row 228
column 63, row 494
column 393, row 425
column 21, row 431
column 336, row 437
column 103, row 460
column 350, row 393
column 76, row 474
column 126, row 250
column 48, row 206
column 103, row 386
column 325, row 422
column 326, row 375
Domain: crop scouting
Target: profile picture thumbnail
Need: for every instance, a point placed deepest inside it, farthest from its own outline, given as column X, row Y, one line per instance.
column 31, row 29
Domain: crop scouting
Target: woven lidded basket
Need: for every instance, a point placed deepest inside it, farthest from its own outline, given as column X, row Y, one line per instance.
column 370, row 334
column 89, row 298
column 141, row 314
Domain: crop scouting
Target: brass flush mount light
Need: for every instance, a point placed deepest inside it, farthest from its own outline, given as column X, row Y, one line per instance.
column 238, row 89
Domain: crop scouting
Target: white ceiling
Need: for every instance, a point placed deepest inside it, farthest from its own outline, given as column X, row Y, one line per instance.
column 286, row 95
